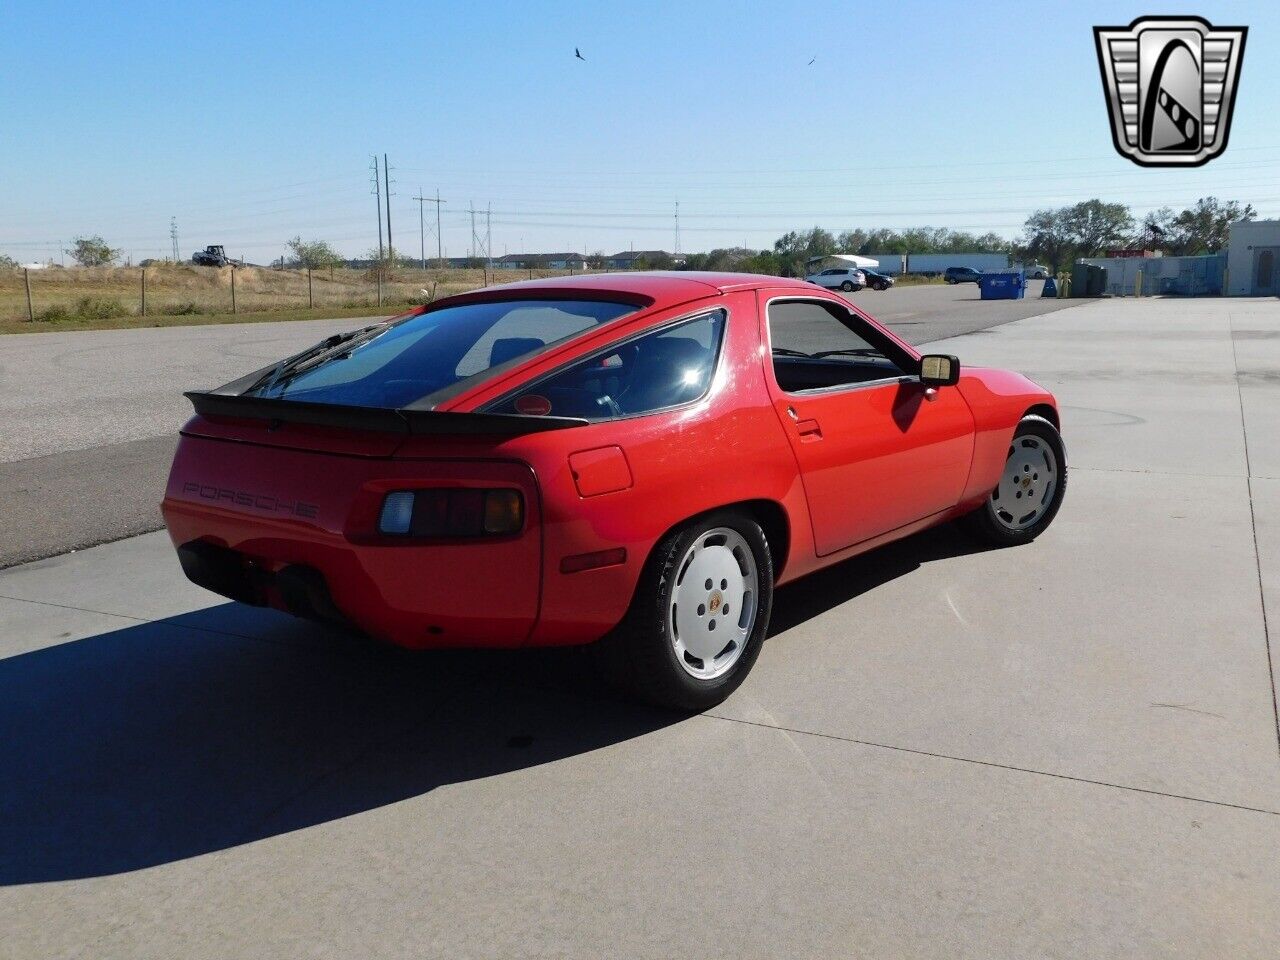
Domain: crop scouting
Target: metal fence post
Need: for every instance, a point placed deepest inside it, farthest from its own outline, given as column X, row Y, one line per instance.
column 144, row 291
column 26, row 278
column 310, row 300
column 233, row 290
column 379, row 278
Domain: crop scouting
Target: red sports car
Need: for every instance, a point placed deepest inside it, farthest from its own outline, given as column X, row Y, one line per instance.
column 629, row 460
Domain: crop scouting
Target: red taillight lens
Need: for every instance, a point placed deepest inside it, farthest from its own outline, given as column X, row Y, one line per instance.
column 447, row 512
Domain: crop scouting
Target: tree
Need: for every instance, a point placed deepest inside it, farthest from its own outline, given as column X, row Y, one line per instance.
column 93, row 252
column 1083, row 230
column 1094, row 226
column 1205, row 227
column 793, row 249
column 313, row 254
column 7, row 262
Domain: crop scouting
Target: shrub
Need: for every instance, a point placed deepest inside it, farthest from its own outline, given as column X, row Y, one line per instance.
column 187, row 309
column 54, row 314
column 99, row 308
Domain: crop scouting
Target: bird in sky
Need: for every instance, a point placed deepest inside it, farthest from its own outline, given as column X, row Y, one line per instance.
column 811, row 61
column 578, row 54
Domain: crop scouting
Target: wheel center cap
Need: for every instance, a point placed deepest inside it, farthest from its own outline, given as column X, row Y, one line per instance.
column 713, row 604
column 1026, row 481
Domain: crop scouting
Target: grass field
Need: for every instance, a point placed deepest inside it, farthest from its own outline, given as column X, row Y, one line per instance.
column 102, row 298
column 110, row 297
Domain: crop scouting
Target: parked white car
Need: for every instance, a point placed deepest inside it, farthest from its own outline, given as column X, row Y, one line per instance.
column 1035, row 271
column 847, row 279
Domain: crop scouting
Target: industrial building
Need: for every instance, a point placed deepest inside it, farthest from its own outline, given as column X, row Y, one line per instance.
column 1248, row 267
column 1253, row 253
column 1129, row 276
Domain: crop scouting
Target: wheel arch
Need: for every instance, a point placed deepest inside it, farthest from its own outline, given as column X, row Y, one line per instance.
column 770, row 514
column 1046, row 410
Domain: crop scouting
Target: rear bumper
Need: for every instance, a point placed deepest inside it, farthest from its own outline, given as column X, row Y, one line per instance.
column 295, row 530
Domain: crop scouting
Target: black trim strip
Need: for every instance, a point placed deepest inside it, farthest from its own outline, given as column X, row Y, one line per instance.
column 379, row 419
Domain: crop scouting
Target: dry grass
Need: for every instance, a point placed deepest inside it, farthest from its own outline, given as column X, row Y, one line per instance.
column 74, row 299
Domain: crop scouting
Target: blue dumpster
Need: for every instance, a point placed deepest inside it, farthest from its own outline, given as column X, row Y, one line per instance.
column 1003, row 286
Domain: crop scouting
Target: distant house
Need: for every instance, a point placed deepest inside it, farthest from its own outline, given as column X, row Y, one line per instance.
column 630, row 259
column 541, row 261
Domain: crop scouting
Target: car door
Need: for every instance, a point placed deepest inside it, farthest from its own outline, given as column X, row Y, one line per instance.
column 876, row 450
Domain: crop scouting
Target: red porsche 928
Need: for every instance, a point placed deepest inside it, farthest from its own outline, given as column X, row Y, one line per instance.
column 633, row 460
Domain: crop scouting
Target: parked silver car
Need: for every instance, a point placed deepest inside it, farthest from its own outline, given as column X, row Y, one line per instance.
column 847, row 279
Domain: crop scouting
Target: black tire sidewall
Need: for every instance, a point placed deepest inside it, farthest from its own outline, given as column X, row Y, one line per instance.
column 659, row 676
column 990, row 525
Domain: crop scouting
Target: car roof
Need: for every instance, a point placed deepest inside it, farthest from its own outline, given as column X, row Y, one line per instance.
column 659, row 286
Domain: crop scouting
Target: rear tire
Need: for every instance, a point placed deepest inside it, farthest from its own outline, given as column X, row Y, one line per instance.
column 1032, row 485
column 668, row 649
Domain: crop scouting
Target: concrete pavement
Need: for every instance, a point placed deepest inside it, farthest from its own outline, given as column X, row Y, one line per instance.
column 1064, row 750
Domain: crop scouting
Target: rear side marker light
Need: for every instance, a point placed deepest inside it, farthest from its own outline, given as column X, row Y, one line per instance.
column 451, row 512
column 397, row 512
column 590, row 561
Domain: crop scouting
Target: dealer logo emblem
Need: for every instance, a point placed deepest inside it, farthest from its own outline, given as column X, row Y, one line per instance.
column 1170, row 84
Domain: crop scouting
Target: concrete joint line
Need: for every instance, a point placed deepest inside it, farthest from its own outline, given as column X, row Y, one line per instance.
column 994, row 765
column 1253, row 522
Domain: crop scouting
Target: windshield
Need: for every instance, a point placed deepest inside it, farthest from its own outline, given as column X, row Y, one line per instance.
column 434, row 350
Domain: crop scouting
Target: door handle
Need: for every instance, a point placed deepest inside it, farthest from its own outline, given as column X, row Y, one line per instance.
column 809, row 429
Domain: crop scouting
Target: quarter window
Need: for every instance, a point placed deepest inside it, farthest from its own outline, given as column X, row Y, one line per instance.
column 650, row 373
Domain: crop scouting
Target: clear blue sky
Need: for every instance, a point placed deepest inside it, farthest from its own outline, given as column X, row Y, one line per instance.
column 254, row 122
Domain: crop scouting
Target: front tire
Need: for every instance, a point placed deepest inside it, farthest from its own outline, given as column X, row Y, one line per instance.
column 699, row 615
column 1031, row 488
column 847, row 287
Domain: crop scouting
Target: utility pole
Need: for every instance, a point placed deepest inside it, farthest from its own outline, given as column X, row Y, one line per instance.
column 377, row 192
column 386, row 179
column 173, row 237
column 488, row 234
column 422, row 231
column 439, row 236
column 677, row 250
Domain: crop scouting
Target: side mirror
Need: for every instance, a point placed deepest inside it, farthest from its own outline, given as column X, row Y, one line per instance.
column 939, row 370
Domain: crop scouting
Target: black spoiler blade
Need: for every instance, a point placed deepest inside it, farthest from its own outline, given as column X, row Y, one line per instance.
column 380, row 419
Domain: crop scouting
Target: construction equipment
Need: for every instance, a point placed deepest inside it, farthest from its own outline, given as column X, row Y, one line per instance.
column 214, row 256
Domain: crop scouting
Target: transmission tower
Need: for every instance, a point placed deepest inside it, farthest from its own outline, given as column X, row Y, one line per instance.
column 479, row 247
column 173, row 237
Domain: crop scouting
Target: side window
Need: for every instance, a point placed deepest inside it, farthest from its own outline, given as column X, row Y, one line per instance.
column 816, row 346
column 652, row 372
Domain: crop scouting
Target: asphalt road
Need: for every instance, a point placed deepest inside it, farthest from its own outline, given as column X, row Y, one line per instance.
column 1066, row 749
column 90, row 418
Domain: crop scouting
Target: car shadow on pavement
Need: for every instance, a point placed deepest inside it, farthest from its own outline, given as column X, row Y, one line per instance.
column 180, row 737
column 817, row 593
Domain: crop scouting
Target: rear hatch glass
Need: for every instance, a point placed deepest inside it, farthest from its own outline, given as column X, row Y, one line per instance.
column 433, row 352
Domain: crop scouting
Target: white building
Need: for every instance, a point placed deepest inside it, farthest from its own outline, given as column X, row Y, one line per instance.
column 1253, row 259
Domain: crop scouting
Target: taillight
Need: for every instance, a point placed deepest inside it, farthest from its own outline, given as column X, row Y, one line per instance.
column 451, row 512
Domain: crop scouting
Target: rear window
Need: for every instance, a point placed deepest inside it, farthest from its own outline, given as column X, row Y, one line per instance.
column 435, row 350
column 656, row 371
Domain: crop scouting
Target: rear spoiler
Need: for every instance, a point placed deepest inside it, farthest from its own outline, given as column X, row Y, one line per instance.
column 382, row 419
